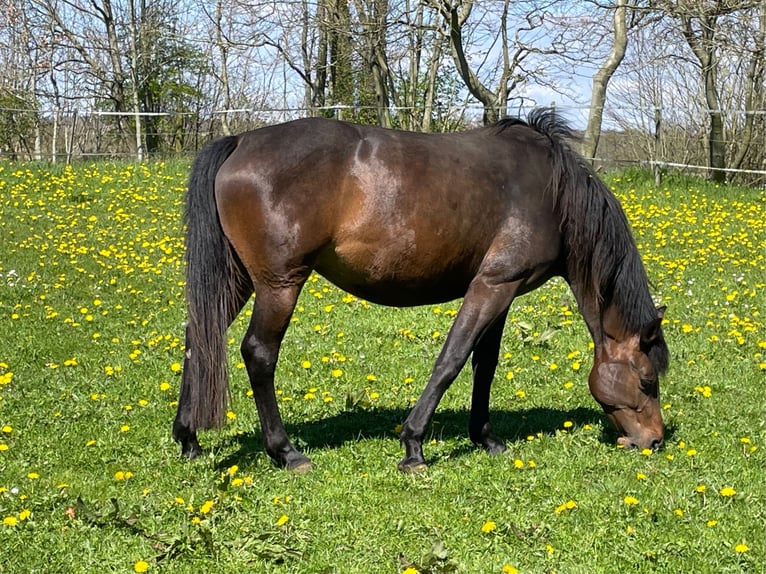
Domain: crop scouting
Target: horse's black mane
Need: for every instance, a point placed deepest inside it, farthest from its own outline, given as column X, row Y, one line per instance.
column 603, row 260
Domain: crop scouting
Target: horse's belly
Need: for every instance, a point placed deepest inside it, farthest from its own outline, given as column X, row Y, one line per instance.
column 395, row 276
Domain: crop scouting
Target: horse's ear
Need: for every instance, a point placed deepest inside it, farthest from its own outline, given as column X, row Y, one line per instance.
column 651, row 330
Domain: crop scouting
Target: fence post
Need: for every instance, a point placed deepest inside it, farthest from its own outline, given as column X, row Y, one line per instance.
column 657, row 136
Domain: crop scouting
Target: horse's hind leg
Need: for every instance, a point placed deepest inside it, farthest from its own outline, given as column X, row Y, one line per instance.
column 183, row 429
column 260, row 349
column 484, row 363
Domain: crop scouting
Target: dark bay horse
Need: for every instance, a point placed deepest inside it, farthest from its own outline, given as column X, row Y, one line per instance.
column 404, row 219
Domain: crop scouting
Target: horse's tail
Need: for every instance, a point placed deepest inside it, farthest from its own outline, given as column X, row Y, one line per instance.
column 212, row 278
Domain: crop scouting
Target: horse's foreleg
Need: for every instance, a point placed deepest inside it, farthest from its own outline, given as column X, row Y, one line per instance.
column 484, row 363
column 482, row 306
column 260, row 350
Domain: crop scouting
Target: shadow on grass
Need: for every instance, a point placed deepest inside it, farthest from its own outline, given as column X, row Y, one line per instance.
column 357, row 424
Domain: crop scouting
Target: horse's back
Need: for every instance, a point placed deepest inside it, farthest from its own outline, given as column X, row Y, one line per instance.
column 395, row 217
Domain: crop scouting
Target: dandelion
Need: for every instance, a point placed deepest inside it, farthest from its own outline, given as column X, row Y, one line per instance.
column 630, row 500
column 33, row 476
column 711, row 523
column 141, row 566
column 10, row 521
column 306, row 364
column 568, row 505
column 410, row 570
column 24, row 514
column 508, row 569
column 488, row 526
column 206, row 507
column 175, row 367
column 568, row 424
column 336, row 373
column 518, row 463
column 700, row 488
column 283, row 520
column 741, row 548
column 231, row 415
column 728, row 491
column 164, row 386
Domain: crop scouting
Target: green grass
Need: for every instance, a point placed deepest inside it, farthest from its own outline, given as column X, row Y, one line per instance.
column 91, row 317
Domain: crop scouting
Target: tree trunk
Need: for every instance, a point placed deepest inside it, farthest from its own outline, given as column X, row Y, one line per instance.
column 754, row 88
column 704, row 49
column 601, row 80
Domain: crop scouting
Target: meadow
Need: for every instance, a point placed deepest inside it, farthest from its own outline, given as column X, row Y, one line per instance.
column 92, row 320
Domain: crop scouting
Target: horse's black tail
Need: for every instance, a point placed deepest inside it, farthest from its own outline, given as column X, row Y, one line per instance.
column 212, row 278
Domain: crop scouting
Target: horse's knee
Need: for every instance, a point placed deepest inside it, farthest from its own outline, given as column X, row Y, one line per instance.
column 259, row 360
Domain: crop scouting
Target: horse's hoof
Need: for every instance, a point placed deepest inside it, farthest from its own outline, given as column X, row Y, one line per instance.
column 297, row 463
column 412, row 466
column 300, row 467
column 496, row 447
column 190, row 449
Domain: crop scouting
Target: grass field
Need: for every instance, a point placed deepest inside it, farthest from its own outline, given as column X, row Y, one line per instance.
column 91, row 324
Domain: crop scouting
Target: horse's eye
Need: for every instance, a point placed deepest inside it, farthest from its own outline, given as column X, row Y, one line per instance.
column 648, row 386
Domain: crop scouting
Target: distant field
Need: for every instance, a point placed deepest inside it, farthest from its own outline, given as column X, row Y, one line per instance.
column 91, row 323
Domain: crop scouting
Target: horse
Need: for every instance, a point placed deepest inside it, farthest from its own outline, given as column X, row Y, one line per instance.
column 401, row 219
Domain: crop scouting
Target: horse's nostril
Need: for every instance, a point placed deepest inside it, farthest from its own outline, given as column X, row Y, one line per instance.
column 656, row 444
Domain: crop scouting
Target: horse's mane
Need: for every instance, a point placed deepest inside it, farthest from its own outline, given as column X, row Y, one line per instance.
column 603, row 260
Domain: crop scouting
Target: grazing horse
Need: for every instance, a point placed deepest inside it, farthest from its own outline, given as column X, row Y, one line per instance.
column 403, row 219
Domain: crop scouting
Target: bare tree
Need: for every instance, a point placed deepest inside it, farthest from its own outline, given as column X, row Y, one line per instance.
column 603, row 75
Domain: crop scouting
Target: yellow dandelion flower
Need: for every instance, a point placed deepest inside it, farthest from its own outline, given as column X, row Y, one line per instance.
column 508, row 569
column 141, row 566
column 630, row 500
column 488, row 526
column 740, row 548
column 206, row 507
column 283, row 520
column 728, row 491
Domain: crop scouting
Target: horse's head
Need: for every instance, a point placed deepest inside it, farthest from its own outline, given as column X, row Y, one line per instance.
column 625, row 382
